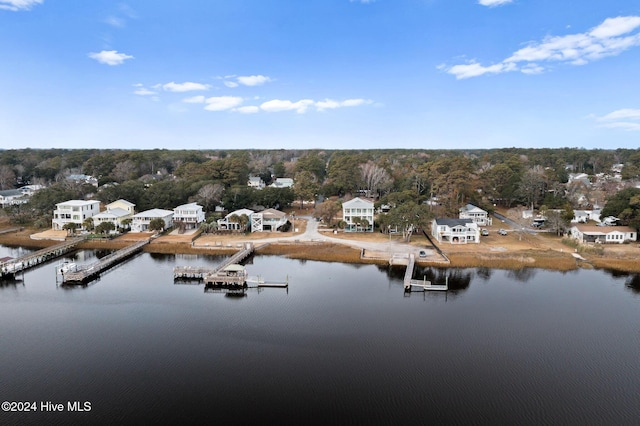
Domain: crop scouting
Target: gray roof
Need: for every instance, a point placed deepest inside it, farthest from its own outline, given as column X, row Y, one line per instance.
column 452, row 222
column 11, row 193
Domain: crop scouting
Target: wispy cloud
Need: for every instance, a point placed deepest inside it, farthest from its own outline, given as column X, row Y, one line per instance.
column 252, row 109
column 17, row 5
column 144, row 92
column 119, row 20
column 110, row 57
column 194, row 100
column 493, row 3
column 626, row 119
column 221, row 103
column 277, row 105
column 332, row 104
column 246, row 80
column 187, row 86
column 612, row 37
column 362, row 1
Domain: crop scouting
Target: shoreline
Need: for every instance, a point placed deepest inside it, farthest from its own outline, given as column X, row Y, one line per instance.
column 459, row 256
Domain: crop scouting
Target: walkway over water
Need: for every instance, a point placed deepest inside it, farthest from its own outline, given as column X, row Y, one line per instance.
column 13, row 266
column 423, row 285
column 84, row 273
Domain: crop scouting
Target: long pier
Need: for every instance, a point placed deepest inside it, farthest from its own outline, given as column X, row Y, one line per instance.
column 424, row 285
column 85, row 273
column 13, row 266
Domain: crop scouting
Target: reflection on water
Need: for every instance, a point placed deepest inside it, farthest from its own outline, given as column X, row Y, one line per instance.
column 341, row 346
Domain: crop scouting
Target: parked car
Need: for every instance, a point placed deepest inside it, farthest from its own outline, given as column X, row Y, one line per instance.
column 484, row 232
column 502, row 232
column 422, row 253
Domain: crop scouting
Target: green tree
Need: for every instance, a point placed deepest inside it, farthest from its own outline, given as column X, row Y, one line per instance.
column 326, row 211
column 88, row 223
column 305, row 187
column 70, row 227
column 105, row 227
column 156, row 224
column 624, row 205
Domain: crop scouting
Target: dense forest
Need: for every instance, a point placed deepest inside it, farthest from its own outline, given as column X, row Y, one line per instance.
column 414, row 183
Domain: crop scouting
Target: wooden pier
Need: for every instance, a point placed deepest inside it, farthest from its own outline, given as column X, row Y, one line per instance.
column 424, row 285
column 229, row 274
column 13, row 266
column 82, row 274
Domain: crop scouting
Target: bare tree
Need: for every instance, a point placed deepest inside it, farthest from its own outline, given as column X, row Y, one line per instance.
column 210, row 195
column 374, row 177
column 7, row 177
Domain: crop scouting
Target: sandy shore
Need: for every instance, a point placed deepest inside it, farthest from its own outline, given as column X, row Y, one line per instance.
column 514, row 251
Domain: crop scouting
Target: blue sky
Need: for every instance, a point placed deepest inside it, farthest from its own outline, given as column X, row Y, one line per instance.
column 233, row 74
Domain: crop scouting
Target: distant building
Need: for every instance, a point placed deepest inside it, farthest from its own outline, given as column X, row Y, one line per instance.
column 141, row 220
column 357, row 208
column 79, row 178
column 256, row 182
column 191, row 215
column 476, row 214
column 282, row 183
column 12, row 197
column 75, row 211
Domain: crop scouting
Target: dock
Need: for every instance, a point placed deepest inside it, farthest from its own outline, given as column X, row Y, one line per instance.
column 11, row 267
column 82, row 274
column 208, row 274
column 424, row 285
column 229, row 274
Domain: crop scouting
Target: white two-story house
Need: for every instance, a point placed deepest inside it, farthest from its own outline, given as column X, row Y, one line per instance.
column 141, row 220
column 455, row 231
column 358, row 208
column 191, row 215
column 75, row 211
column 476, row 214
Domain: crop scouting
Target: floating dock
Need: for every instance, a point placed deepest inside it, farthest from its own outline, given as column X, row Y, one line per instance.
column 82, row 274
column 424, row 285
column 12, row 267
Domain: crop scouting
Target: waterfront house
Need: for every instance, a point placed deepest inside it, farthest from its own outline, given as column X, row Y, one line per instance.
column 603, row 234
column 228, row 223
column 268, row 220
column 12, row 197
column 476, row 214
column 583, row 216
column 256, row 182
column 141, row 220
column 354, row 212
column 75, row 211
column 117, row 212
column 191, row 215
column 455, row 231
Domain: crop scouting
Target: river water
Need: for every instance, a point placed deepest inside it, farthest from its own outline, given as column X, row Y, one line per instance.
column 343, row 345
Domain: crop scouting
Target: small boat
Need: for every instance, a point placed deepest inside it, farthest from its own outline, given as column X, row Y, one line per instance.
column 67, row 266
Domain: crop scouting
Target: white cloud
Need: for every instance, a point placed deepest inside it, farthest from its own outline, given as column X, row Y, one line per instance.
column 114, row 21
column 194, row 100
column 247, row 109
column 184, row 87
column 253, row 80
column 277, row 105
column 221, row 103
column 16, row 5
column 612, row 37
column 144, row 92
column 110, row 57
column 625, row 119
column 331, row 104
column 492, row 3
column 231, row 84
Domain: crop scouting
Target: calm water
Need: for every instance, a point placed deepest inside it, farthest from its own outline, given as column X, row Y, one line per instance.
column 343, row 345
